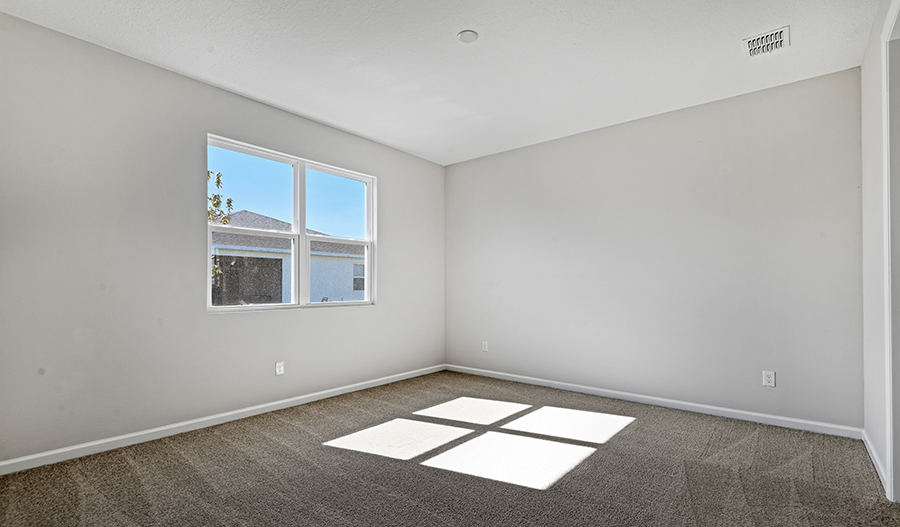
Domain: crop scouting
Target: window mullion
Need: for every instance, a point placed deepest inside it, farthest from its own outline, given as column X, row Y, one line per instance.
column 248, row 231
column 301, row 269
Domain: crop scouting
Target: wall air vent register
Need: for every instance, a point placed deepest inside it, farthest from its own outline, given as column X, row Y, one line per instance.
column 768, row 42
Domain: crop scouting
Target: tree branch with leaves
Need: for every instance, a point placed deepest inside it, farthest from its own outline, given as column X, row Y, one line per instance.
column 217, row 214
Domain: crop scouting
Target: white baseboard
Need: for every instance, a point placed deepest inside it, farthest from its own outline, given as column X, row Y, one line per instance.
column 777, row 420
column 880, row 467
column 83, row 449
column 92, row 447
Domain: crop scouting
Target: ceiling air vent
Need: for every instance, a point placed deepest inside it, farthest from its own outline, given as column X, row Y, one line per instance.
column 769, row 41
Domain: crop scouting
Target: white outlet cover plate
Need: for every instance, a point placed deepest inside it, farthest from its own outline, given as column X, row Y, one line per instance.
column 591, row 427
column 473, row 410
column 399, row 439
column 525, row 461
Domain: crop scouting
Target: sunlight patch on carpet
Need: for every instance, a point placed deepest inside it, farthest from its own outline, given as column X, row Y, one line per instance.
column 399, row 439
column 524, row 461
column 591, row 427
column 473, row 410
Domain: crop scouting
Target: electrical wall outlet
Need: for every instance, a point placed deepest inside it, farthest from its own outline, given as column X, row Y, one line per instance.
column 484, row 345
column 279, row 368
column 769, row 379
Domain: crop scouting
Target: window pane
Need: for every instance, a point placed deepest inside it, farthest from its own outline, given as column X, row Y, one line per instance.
column 250, row 269
column 335, row 205
column 331, row 272
column 261, row 190
column 359, row 280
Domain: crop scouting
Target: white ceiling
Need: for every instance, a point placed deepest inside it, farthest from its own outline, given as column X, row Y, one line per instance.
column 393, row 70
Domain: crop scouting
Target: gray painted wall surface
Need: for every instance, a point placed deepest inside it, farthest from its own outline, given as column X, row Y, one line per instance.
column 894, row 113
column 103, row 323
column 675, row 256
column 875, row 285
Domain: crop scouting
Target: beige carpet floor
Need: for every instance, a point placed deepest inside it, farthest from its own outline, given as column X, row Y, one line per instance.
column 667, row 468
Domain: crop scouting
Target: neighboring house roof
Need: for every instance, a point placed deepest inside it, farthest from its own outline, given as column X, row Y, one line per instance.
column 317, row 247
column 245, row 218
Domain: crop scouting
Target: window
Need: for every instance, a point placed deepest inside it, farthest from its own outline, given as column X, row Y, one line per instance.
column 359, row 277
column 285, row 231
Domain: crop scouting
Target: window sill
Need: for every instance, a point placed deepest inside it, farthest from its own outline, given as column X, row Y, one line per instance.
column 282, row 307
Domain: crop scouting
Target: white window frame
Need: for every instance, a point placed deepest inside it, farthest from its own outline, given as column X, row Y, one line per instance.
column 302, row 241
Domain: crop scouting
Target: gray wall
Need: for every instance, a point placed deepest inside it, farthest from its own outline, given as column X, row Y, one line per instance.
column 894, row 113
column 103, row 322
column 675, row 256
column 876, row 377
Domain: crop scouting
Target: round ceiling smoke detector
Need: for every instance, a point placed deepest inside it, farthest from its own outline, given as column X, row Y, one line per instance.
column 467, row 36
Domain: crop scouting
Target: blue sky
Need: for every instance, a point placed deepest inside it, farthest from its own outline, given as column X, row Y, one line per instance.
column 334, row 205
